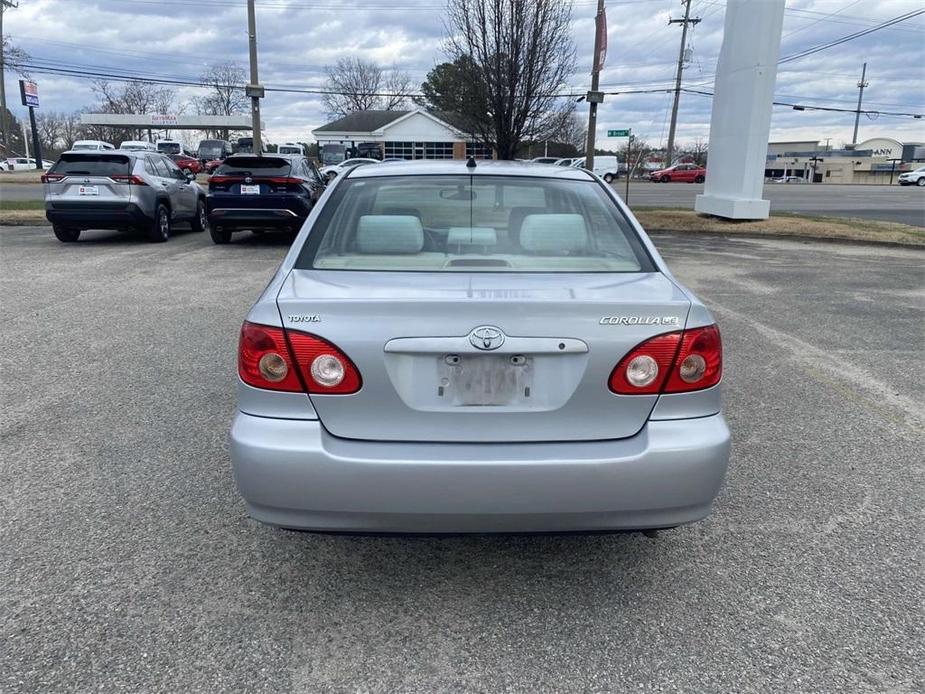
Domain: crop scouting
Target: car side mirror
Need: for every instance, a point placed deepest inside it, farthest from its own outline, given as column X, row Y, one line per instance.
column 190, row 177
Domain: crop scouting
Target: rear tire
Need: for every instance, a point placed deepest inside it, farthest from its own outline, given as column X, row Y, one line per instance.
column 699, row 179
column 159, row 231
column 201, row 221
column 921, row 182
column 66, row 234
column 665, row 179
column 220, row 235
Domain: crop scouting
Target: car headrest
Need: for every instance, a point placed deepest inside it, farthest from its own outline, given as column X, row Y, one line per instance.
column 516, row 219
column 554, row 233
column 387, row 234
column 472, row 236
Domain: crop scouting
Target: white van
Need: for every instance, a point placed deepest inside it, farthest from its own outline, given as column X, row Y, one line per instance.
column 290, row 148
column 605, row 166
column 137, row 146
column 90, row 145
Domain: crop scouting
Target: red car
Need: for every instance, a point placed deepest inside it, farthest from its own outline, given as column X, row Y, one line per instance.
column 680, row 173
column 188, row 164
column 213, row 164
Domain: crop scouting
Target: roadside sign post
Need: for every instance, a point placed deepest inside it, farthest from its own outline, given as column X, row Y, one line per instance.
column 29, row 91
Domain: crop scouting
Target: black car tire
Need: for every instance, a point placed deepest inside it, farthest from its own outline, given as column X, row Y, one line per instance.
column 220, row 235
column 699, row 179
column 920, row 182
column 665, row 179
column 159, row 231
column 201, row 221
column 66, row 234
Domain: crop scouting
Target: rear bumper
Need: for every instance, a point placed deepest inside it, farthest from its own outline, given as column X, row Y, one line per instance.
column 294, row 474
column 96, row 215
column 261, row 219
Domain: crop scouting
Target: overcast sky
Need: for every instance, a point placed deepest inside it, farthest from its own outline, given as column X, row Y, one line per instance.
column 179, row 38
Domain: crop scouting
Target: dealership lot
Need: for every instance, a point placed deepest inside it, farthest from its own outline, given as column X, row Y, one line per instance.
column 129, row 564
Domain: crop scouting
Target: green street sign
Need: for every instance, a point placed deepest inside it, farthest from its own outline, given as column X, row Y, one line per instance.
column 619, row 133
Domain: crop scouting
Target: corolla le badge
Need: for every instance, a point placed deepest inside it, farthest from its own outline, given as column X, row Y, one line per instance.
column 641, row 320
column 486, row 337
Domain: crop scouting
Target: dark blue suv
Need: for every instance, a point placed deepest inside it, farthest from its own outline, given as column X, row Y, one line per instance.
column 272, row 192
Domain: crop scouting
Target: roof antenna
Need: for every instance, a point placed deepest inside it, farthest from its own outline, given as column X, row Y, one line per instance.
column 471, row 163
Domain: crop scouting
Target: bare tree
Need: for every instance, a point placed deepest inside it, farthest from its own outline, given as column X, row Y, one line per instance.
column 14, row 57
column 70, row 129
column 697, row 150
column 567, row 127
column 48, row 124
column 226, row 95
column 523, row 54
column 397, row 89
column 135, row 97
column 355, row 84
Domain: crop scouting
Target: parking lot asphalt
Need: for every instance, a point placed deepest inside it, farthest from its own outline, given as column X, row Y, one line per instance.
column 885, row 203
column 129, row 565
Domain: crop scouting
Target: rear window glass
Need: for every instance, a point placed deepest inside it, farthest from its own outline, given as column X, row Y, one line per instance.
column 92, row 165
column 256, row 166
column 472, row 224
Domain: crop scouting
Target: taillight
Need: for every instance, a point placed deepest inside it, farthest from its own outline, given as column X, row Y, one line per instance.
column 129, row 180
column 325, row 369
column 226, row 179
column 675, row 362
column 264, row 360
column 643, row 371
column 699, row 363
column 276, row 359
column 52, row 178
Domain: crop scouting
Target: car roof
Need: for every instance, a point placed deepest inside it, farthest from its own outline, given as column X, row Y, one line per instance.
column 458, row 166
column 131, row 153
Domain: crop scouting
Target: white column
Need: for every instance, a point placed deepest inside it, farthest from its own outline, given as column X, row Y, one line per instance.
column 741, row 120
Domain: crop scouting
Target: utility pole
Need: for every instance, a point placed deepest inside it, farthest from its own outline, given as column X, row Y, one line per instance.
column 857, row 113
column 4, row 117
column 254, row 90
column 594, row 96
column 677, row 84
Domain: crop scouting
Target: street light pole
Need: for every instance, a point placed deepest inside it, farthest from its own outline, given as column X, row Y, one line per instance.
column 254, row 90
column 594, row 97
column 669, row 154
column 857, row 114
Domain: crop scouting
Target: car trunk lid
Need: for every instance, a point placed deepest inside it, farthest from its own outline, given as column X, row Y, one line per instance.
column 430, row 374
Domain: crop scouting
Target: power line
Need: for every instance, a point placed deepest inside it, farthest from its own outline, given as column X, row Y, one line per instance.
column 850, row 37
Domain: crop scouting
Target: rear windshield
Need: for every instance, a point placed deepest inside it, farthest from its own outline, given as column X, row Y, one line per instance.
column 255, row 166
column 466, row 223
column 92, row 165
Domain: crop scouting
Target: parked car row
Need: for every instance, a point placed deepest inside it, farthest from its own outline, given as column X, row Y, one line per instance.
column 149, row 191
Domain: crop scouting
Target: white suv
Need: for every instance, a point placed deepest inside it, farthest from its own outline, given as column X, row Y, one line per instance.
column 913, row 178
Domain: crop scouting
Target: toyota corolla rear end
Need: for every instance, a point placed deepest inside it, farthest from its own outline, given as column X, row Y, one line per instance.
column 488, row 349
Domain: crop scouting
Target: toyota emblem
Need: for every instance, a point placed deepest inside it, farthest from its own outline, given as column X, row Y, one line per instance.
column 486, row 337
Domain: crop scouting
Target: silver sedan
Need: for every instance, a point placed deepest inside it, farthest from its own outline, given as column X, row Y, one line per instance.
column 453, row 347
